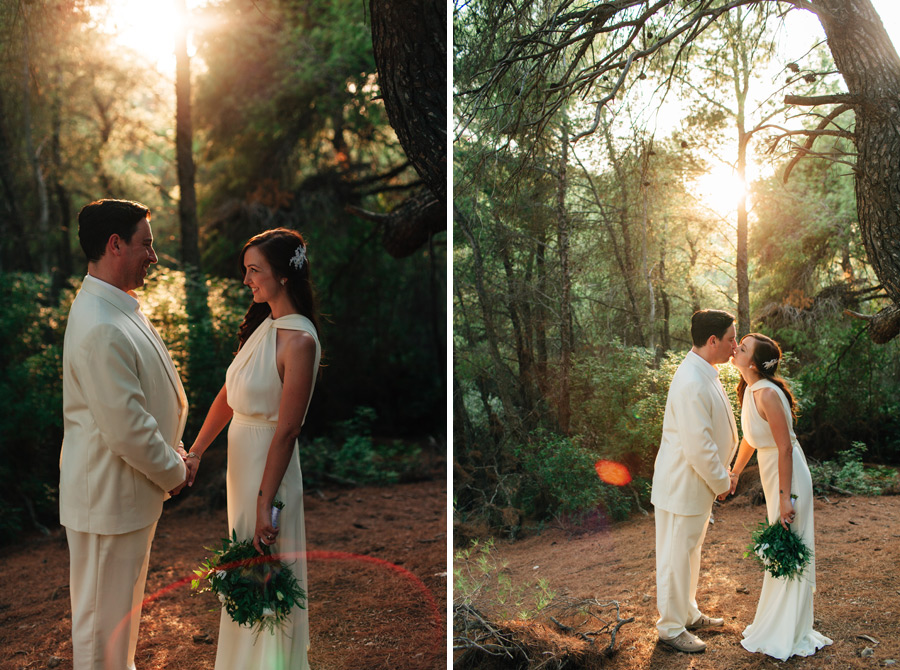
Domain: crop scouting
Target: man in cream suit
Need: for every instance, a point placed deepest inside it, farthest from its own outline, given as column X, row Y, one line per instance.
column 124, row 413
column 698, row 442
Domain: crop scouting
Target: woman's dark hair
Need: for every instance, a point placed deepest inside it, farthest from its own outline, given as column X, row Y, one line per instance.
column 279, row 246
column 767, row 351
column 709, row 322
column 101, row 219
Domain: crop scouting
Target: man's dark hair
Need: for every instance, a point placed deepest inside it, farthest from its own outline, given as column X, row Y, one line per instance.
column 709, row 322
column 101, row 219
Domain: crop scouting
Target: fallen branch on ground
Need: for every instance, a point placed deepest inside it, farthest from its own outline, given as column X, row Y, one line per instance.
column 566, row 633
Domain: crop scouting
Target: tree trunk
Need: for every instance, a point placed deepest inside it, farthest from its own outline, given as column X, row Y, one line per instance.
column 64, row 265
column 693, row 257
column 645, row 241
column 742, row 275
column 409, row 39
column 868, row 61
column 502, row 375
column 34, row 157
column 540, row 312
column 464, row 433
column 665, row 336
column 565, row 311
column 514, row 304
column 622, row 252
column 106, row 127
column 495, row 429
column 14, row 254
column 187, row 201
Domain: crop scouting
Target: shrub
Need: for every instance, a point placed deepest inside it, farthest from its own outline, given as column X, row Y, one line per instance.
column 351, row 455
column 848, row 474
column 557, row 476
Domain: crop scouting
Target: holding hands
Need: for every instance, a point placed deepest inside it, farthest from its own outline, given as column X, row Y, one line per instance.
column 191, row 464
column 733, row 477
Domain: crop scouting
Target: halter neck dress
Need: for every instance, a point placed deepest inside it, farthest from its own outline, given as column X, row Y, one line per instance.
column 254, row 394
column 783, row 625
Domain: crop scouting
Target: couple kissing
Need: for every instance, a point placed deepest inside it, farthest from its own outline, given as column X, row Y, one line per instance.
column 700, row 459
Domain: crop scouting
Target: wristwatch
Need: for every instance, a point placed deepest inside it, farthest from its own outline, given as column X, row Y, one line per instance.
column 191, row 454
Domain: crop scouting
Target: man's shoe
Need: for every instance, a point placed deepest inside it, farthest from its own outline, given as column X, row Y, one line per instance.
column 706, row 622
column 686, row 642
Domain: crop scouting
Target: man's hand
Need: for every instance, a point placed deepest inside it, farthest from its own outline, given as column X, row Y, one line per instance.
column 190, row 467
column 734, row 480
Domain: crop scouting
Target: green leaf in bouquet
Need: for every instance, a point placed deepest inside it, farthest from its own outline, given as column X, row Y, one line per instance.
column 779, row 551
column 255, row 589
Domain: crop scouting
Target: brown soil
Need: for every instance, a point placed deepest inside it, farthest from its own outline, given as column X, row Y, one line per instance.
column 377, row 572
column 858, row 579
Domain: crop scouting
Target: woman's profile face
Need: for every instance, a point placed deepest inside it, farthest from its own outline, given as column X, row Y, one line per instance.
column 259, row 277
column 743, row 356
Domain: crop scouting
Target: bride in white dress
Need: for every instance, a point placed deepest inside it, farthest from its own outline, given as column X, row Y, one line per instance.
column 267, row 391
column 783, row 625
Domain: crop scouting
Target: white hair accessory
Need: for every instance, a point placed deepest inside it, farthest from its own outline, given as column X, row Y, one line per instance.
column 299, row 258
column 768, row 365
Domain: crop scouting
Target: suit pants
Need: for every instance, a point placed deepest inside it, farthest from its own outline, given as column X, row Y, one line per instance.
column 679, row 540
column 107, row 574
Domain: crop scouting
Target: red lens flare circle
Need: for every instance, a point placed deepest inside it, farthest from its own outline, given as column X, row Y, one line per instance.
column 417, row 584
column 612, row 472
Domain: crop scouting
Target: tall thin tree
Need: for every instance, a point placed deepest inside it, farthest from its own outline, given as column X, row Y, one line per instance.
column 184, row 137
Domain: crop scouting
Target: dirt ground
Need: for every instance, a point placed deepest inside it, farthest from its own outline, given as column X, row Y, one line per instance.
column 858, row 582
column 377, row 573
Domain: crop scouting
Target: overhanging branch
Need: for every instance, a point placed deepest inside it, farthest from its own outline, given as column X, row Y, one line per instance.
column 813, row 100
column 812, row 134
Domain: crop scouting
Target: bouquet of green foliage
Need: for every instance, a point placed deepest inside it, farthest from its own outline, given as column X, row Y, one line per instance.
column 257, row 590
column 779, row 551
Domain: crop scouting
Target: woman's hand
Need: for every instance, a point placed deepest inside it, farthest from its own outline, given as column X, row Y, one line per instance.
column 265, row 533
column 787, row 512
column 733, row 478
column 192, row 462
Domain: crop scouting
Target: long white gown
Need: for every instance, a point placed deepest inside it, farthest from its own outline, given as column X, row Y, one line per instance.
column 783, row 625
column 254, row 393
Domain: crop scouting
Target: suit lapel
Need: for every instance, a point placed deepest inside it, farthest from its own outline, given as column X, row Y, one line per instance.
column 731, row 421
column 150, row 333
column 720, row 391
column 128, row 305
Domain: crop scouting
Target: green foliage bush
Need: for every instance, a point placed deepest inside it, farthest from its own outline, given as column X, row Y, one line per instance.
column 198, row 319
column 850, row 387
column 31, row 336
column 618, row 399
column 557, row 477
column 848, row 474
column 351, row 454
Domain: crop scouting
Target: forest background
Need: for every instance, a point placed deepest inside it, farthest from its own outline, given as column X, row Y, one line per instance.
column 285, row 126
column 617, row 167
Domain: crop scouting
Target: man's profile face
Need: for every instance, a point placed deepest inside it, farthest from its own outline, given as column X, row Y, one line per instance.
column 724, row 349
column 138, row 255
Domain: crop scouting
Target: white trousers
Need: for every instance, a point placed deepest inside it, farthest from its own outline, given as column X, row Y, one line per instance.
column 107, row 574
column 679, row 540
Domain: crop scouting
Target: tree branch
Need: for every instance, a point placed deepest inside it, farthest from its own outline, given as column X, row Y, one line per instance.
column 813, row 100
column 819, row 130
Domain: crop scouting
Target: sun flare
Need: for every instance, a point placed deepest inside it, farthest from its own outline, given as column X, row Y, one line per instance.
column 721, row 190
column 147, row 28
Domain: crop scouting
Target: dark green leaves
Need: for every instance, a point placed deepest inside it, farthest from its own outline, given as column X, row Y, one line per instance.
column 779, row 552
column 257, row 590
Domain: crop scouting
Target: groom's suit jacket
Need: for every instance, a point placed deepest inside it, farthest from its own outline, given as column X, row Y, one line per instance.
column 698, row 441
column 124, row 411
